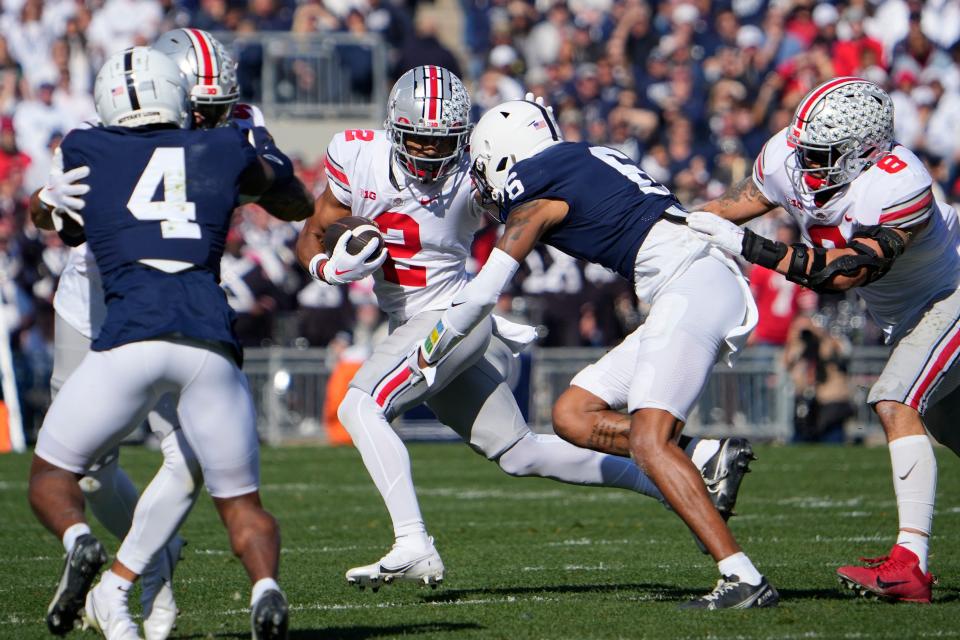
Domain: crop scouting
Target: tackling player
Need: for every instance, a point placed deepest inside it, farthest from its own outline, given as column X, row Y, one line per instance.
column 413, row 181
column 869, row 221
column 167, row 329
column 79, row 312
column 594, row 203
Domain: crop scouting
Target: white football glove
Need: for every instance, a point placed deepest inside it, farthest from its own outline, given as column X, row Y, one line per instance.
column 343, row 267
column 63, row 190
column 717, row 231
column 538, row 100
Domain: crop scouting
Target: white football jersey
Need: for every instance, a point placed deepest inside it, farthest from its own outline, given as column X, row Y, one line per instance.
column 894, row 192
column 428, row 228
column 79, row 297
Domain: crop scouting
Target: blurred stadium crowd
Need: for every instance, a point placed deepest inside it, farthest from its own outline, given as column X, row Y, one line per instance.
column 689, row 89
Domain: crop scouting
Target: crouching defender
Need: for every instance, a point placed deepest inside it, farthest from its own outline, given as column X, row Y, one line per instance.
column 596, row 204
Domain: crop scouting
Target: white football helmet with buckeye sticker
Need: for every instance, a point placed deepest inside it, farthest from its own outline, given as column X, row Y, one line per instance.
column 840, row 129
column 428, row 122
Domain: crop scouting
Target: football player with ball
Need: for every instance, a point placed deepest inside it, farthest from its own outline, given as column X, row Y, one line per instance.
column 412, row 182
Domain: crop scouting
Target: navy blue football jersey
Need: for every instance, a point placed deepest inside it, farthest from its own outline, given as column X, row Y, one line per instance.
column 613, row 204
column 160, row 200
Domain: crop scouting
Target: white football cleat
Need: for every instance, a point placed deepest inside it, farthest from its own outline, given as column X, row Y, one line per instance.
column 401, row 563
column 109, row 617
column 159, row 606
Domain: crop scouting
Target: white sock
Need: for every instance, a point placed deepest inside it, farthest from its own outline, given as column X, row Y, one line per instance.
column 113, row 586
column 915, row 485
column 916, row 542
column 165, row 503
column 111, row 496
column 385, row 457
column 550, row 456
column 411, row 534
column 700, row 450
column 73, row 532
column 260, row 587
column 739, row 565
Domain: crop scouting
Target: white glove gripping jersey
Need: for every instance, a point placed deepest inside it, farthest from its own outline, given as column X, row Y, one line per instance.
column 428, row 228
column 79, row 297
column 895, row 192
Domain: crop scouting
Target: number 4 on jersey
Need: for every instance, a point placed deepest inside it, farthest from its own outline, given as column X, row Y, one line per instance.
column 176, row 215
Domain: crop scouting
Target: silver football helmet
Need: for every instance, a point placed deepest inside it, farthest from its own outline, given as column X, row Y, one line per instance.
column 428, row 122
column 211, row 70
column 839, row 130
column 141, row 86
column 506, row 134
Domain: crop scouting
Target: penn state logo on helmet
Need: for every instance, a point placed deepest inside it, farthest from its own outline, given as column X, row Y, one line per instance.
column 839, row 130
column 506, row 134
column 428, row 122
column 205, row 61
column 141, row 86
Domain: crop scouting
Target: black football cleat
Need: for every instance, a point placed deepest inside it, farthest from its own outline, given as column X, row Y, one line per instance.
column 270, row 617
column 731, row 593
column 723, row 473
column 81, row 567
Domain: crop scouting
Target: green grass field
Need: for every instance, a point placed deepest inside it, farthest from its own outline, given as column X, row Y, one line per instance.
column 528, row 558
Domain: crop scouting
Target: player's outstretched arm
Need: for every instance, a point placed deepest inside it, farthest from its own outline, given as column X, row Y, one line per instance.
column 741, row 202
column 525, row 225
column 290, row 201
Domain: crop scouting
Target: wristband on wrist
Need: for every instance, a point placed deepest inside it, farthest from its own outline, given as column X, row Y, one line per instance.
column 315, row 269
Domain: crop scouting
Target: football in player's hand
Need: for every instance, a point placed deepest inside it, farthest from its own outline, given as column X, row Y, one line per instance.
column 364, row 232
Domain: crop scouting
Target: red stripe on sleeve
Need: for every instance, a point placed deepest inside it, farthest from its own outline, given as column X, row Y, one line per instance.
column 901, row 213
column 333, row 171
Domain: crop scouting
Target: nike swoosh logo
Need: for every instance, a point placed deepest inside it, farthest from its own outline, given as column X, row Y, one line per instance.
column 883, row 584
column 848, row 218
column 340, row 273
column 399, row 569
column 909, row 471
column 457, row 304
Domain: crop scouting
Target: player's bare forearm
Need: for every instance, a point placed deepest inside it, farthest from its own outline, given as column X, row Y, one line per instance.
column 326, row 210
column 290, row 201
column 526, row 224
column 741, row 202
column 40, row 213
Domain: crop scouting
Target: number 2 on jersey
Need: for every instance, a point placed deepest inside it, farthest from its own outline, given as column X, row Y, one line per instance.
column 409, row 246
column 167, row 165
